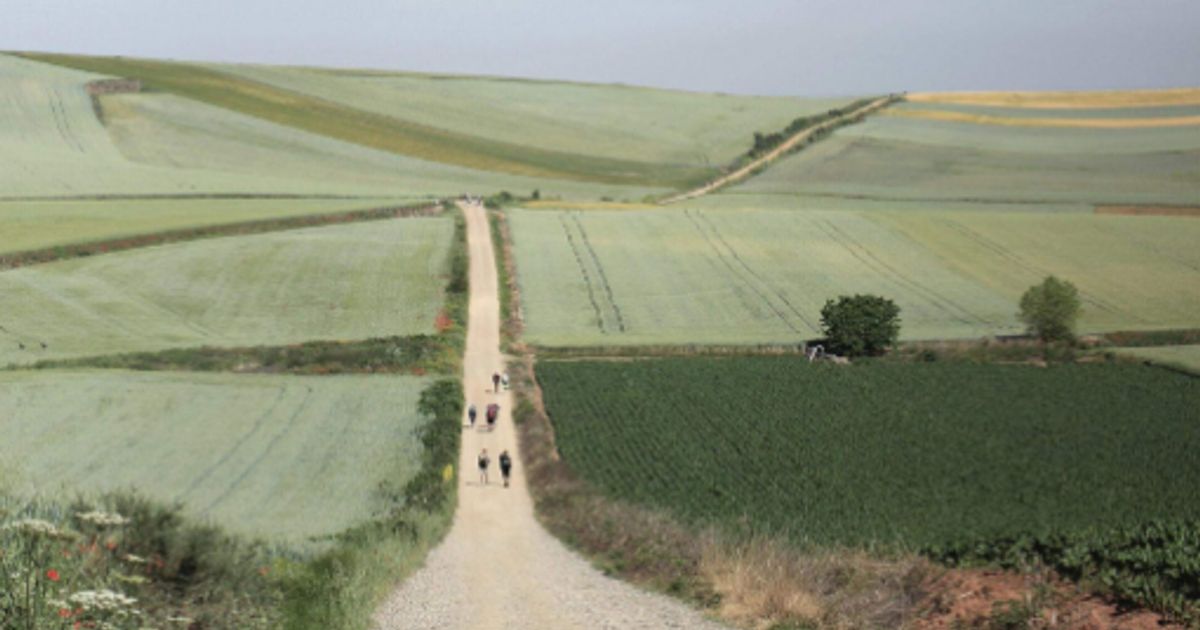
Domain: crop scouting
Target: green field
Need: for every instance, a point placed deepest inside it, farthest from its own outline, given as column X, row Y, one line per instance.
column 352, row 281
column 284, row 458
column 934, row 161
column 692, row 276
column 36, row 224
column 153, row 143
column 849, row 455
column 377, row 131
column 611, row 121
column 1186, row 357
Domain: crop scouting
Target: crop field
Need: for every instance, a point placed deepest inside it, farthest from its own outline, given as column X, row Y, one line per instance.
column 1066, row 100
column 612, row 121
column 351, row 281
column 35, row 224
column 704, row 276
column 847, row 455
column 374, row 130
column 898, row 157
column 54, row 145
column 1186, row 357
column 284, row 458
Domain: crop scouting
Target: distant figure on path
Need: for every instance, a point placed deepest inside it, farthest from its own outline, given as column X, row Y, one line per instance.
column 496, row 382
column 493, row 412
column 505, row 466
column 471, row 413
column 504, row 380
column 484, row 460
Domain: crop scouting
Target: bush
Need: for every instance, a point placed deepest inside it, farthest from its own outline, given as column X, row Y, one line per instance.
column 860, row 325
column 1049, row 310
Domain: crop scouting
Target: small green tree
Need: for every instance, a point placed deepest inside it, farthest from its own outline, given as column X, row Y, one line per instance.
column 1050, row 309
column 860, row 325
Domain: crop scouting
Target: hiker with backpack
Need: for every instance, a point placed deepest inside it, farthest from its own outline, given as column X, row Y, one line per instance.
column 484, row 460
column 471, row 412
column 493, row 412
column 496, row 382
column 505, row 467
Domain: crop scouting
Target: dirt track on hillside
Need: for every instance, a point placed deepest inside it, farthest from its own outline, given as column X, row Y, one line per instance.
column 775, row 153
column 498, row 568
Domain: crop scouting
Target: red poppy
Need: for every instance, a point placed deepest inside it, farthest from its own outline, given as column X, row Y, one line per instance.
column 64, row 612
column 52, row 575
column 110, row 545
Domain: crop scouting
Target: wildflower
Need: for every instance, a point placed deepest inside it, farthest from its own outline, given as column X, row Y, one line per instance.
column 110, row 545
column 64, row 612
column 102, row 600
column 264, row 571
column 37, row 528
column 102, row 519
column 52, row 575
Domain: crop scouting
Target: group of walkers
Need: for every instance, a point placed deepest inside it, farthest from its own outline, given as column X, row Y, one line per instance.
column 491, row 414
column 505, row 466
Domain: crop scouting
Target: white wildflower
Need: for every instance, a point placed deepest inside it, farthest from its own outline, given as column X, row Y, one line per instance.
column 102, row 519
column 101, row 601
column 36, row 528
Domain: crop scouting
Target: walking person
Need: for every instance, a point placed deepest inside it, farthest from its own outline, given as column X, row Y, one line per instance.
column 484, row 460
column 504, row 380
column 493, row 412
column 471, row 413
column 496, row 382
column 505, row 466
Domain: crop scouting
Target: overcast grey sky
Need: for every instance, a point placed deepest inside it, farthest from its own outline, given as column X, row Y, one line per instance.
column 806, row 47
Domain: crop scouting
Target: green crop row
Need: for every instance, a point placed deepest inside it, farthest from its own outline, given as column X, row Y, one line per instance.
column 905, row 456
column 1155, row 564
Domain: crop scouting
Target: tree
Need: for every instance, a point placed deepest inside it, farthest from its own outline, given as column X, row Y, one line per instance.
column 860, row 325
column 1049, row 309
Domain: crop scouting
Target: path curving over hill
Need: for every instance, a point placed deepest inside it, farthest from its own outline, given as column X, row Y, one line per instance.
column 498, row 568
column 777, row 152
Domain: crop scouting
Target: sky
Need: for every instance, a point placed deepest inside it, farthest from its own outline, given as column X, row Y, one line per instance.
column 793, row 47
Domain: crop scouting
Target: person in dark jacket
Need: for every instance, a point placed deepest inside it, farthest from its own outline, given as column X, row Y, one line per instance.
column 505, row 466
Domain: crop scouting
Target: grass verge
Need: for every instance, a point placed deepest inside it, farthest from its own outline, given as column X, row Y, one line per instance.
column 177, row 572
column 510, row 292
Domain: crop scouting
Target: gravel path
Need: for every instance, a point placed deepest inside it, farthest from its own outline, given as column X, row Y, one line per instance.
column 498, row 568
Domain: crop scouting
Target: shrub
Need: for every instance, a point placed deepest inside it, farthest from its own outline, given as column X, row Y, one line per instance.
column 1050, row 309
column 860, row 325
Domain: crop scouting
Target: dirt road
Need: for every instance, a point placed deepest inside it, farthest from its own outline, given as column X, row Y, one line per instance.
column 497, row 567
column 775, row 153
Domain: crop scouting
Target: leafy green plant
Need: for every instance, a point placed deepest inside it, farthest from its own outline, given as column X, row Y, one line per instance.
column 860, row 325
column 1050, row 309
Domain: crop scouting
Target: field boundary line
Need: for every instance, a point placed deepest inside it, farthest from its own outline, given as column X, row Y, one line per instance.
column 791, row 143
column 25, row 258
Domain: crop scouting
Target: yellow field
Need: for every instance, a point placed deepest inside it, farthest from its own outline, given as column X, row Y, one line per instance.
column 1078, row 123
column 1065, row 100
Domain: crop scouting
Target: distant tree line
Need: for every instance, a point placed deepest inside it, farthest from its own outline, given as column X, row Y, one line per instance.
column 765, row 142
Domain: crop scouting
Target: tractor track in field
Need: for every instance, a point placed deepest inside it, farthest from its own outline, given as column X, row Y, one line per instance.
column 1006, row 254
column 604, row 284
column 864, row 254
column 778, row 293
column 587, row 279
column 740, row 277
column 498, row 568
